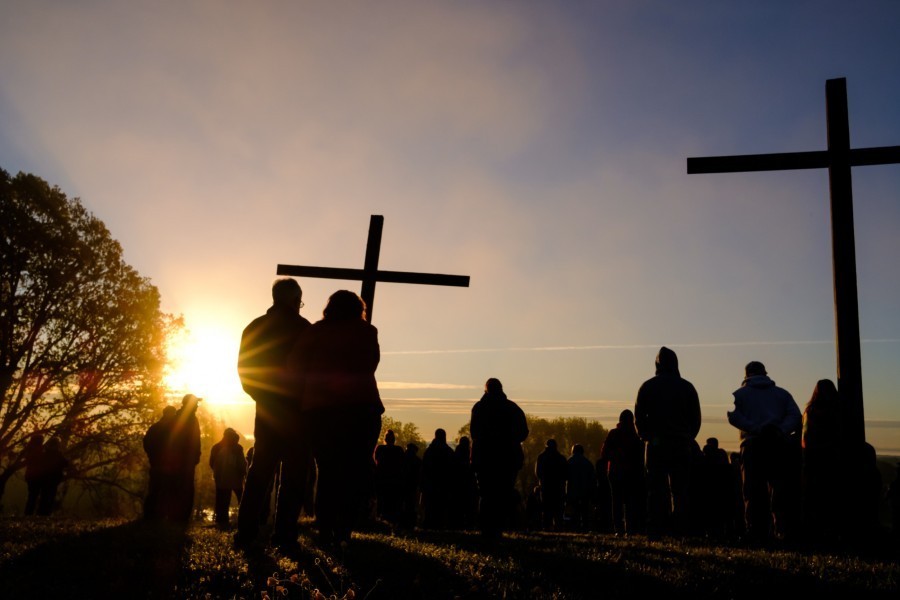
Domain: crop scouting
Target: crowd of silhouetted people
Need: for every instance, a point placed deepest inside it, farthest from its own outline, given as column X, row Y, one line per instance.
column 799, row 475
column 318, row 418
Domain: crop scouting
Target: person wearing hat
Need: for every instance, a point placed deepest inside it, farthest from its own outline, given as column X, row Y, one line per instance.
column 280, row 445
column 769, row 421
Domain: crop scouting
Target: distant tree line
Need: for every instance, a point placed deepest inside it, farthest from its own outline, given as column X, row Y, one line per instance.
column 567, row 431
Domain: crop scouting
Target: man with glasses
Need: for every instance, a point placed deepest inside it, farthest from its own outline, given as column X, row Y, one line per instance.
column 265, row 344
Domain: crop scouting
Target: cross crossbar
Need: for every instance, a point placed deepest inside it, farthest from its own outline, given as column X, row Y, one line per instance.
column 370, row 274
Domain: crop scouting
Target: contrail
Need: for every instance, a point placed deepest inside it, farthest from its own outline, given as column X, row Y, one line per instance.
column 634, row 346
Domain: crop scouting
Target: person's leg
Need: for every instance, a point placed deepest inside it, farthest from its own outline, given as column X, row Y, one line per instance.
column 295, row 465
column 659, row 495
column 755, row 490
column 266, row 457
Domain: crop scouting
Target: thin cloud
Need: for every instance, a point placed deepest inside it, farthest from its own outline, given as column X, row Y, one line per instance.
column 409, row 385
column 634, row 346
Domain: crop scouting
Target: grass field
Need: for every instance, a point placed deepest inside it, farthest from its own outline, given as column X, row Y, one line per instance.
column 67, row 558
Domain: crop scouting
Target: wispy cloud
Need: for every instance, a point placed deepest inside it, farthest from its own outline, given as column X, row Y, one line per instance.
column 635, row 346
column 410, row 385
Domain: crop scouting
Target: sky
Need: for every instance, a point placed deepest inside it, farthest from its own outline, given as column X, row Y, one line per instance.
column 538, row 147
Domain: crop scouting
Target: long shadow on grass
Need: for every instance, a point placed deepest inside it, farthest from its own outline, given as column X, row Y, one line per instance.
column 590, row 566
column 131, row 560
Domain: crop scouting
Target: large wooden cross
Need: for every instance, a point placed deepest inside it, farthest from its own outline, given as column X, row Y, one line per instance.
column 838, row 159
column 370, row 274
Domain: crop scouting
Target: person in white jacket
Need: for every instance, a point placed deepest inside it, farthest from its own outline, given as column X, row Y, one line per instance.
column 769, row 421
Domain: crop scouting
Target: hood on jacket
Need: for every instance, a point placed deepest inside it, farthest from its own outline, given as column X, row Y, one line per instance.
column 667, row 362
column 758, row 381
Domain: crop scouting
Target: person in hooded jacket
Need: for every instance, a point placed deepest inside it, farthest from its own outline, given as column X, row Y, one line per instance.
column 769, row 421
column 497, row 428
column 667, row 416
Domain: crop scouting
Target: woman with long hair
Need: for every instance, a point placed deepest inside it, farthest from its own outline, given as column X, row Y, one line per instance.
column 336, row 359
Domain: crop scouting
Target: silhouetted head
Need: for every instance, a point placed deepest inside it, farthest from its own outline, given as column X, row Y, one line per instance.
column 389, row 437
column 493, row 386
column 36, row 440
column 231, row 436
column 190, row 402
column 440, row 435
column 412, row 448
column 169, row 412
column 286, row 293
column 344, row 305
column 754, row 368
column 551, row 444
column 626, row 417
column 464, row 443
column 53, row 443
column 578, row 450
column 712, row 442
column 666, row 362
column 825, row 394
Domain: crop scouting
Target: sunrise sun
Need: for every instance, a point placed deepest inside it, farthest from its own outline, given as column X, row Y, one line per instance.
column 202, row 361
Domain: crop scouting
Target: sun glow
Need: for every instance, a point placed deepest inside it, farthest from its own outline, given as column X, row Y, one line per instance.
column 203, row 361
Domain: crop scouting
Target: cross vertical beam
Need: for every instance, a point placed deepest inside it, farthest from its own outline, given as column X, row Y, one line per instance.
column 370, row 266
column 843, row 252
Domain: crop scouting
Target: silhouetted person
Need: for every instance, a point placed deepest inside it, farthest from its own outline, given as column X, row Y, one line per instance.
column 623, row 452
column 893, row 496
column 824, row 495
column 498, row 427
column 53, row 467
column 412, row 475
column 279, row 439
column 551, row 470
column 667, row 416
column 716, row 494
column 185, row 448
column 32, row 455
column 767, row 418
column 162, row 485
column 464, row 500
column 229, row 467
column 336, row 360
column 437, row 482
column 603, row 515
column 389, row 478
column 581, row 482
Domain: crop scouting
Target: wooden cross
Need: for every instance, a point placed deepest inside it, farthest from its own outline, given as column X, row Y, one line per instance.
column 370, row 274
column 838, row 159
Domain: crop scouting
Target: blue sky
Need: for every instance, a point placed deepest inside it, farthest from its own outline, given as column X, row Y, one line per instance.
column 539, row 147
